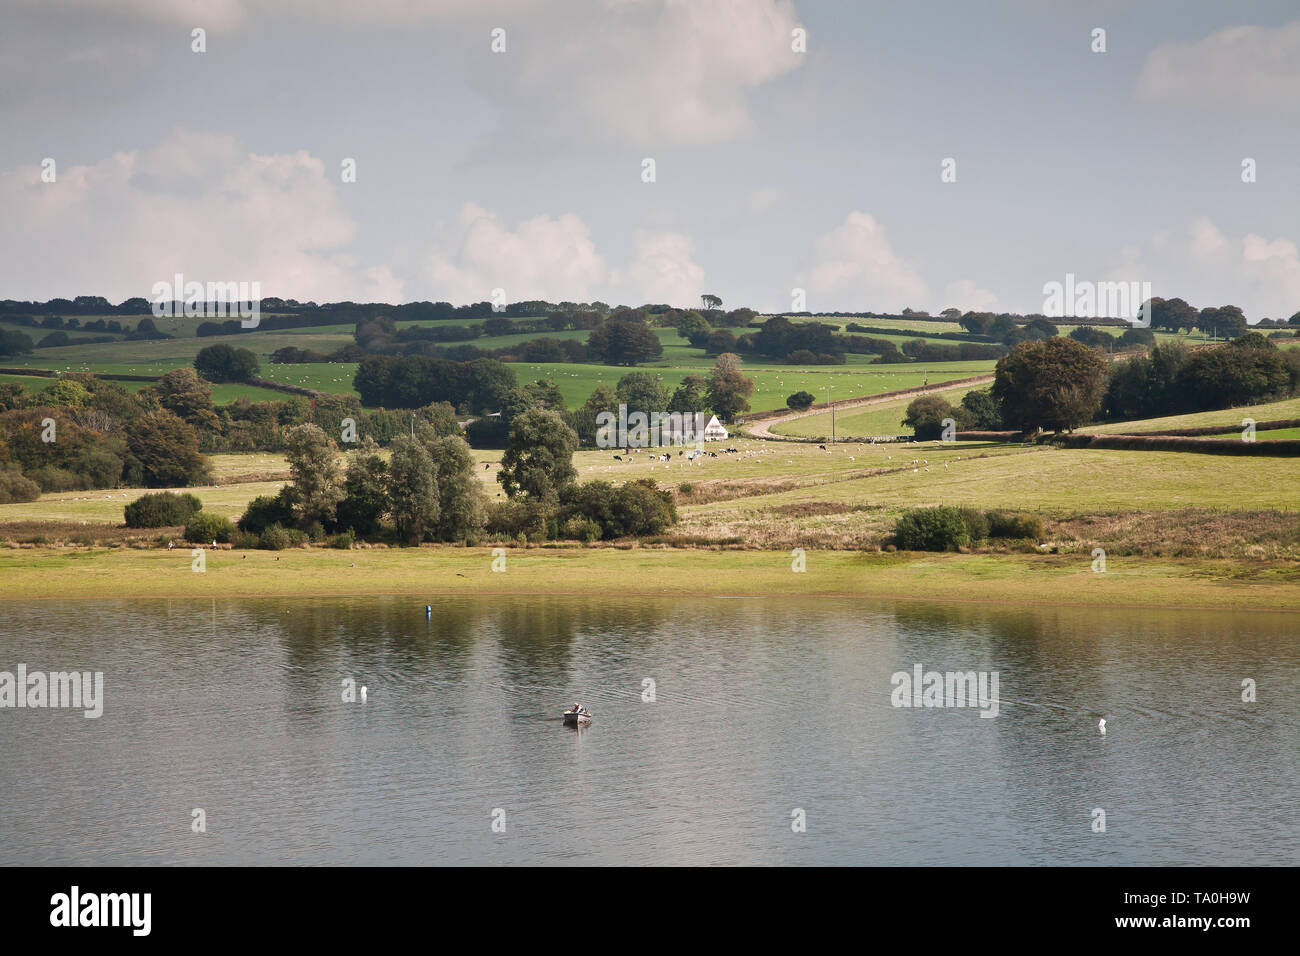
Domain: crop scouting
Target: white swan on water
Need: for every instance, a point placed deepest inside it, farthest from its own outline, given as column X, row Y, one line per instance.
column 1101, row 724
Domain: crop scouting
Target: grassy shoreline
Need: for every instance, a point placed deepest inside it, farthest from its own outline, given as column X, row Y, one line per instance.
column 1016, row 579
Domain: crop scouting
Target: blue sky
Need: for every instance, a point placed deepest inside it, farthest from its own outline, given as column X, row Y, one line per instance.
column 774, row 169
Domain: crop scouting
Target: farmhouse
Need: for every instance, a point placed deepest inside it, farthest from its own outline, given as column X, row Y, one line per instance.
column 685, row 428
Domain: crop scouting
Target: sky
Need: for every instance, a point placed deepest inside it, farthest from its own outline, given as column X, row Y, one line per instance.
column 871, row 156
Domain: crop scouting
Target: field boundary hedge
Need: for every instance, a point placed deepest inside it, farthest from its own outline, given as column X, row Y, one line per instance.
column 1224, row 429
column 121, row 377
column 1284, row 448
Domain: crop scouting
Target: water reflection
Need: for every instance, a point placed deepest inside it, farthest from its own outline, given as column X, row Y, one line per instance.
column 761, row 706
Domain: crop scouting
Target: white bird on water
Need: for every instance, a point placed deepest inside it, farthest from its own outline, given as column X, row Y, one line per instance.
column 363, row 699
column 1101, row 724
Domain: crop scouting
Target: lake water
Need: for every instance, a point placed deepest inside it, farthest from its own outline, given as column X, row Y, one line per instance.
column 763, row 706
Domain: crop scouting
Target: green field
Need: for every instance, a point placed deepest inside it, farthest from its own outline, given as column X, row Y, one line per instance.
column 221, row 394
column 774, row 381
column 874, row 421
column 1289, row 408
column 772, row 384
column 1018, row 579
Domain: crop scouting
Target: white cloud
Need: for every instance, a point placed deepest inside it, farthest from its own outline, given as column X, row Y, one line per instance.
column 197, row 204
column 1273, row 268
column 233, row 14
column 966, row 295
column 556, row 259
column 662, row 270
column 1239, row 67
column 542, row 258
column 643, row 72
column 1206, row 241
column 1207, row 267
column 858, row 269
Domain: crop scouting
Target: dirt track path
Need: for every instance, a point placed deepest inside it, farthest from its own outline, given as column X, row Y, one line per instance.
column 762, row 429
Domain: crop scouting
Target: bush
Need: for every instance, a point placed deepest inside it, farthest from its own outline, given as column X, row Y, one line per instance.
column 1017, row 526
column 515, row 518
column 264, row 511
column 977, row 526
column 926, row 415
column 223, row 363
column 243, row 541
column 343, row 540
column 15, row 488
column 800, row 400
column 161, row 509
column 206, row 526
column 53, row 478
column 932, row 529
column 635, row 509
column 580, row 529
column 273, row 538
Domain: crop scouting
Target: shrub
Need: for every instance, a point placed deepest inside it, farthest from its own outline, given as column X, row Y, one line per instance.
column 273, row 538
column 14, row 488
column 265, row 510
column 514, row 519
column 1003, row 525
column 223, row 363
column 206, row 526
column 580, row 529
column 243, row 540
column 926, row 415
column 343, row 540
column 932, row 529
column 800, row 400
column 53, row 478
column 161, row 509
column 635, row 509
column 977, row 526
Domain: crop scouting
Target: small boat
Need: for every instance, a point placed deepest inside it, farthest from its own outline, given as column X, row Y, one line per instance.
column 576, row 717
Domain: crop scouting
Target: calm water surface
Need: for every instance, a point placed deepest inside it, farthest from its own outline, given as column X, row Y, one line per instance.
column 763, row 706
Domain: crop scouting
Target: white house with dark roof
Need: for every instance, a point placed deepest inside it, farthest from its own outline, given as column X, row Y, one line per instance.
column 685, row 428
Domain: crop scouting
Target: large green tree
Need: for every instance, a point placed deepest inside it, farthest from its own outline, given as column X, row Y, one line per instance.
column 223, row 363
column 314, row 467
column 624, row 341
column 167, row 449
column 692, row 395
column 412, row 489
column 462, row 503
column 729, row 388
column 1050, row 384
column 183, row 393
column 642, row 392
column 365, row 491
column 539, row 461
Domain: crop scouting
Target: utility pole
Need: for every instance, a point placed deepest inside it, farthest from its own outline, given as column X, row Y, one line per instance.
column 828, row 402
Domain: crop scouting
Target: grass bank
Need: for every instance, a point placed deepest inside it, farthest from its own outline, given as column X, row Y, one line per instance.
column 1060, row 580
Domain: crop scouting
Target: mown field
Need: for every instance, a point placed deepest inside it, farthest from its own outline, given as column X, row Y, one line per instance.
column 1179, row 529
column 875, row 421
column 772, row 384
column 221, row 394
column 1013, row 579
column 774, row 381
column 1290, row 408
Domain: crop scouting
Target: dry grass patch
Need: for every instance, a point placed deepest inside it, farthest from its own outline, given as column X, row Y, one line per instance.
column 1185, row 533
